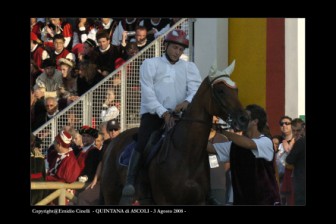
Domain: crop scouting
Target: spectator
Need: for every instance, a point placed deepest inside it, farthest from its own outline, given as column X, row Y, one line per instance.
column 109, row 25
column 63, row 165
column 36, row 50
column 89, row 52
column 113, row 129
column 99, row 141
column 60, row 51
column 107, row 54
column 34, row 73
column 110, row 110
column 140, row 38
column 130, row 50
column 85, row 28
column 51, row 105
column 297, row 158
column 88, row 160
column 38, row 107
column 154, row 26
column 50, row 78
column 69, row 79
column 36, row 27
column 89, row 155
column 127, row 24
column 228, row 177
column 77, row 143
column 285, row 171
column 88, row 77
column 217, row 172
column 276, row 142
column 58, row 26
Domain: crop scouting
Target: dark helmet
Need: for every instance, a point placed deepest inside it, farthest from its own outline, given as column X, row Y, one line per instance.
column 112, row 124
column 178, row 37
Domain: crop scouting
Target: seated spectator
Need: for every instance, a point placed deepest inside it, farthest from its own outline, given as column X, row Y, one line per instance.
column 58, row 26
column 36, row 27
column 109, row 25
column 88, row 77
column 38, row 107
column 51, row 105
column 51, row 78
column 63, row 165
column 89, row 155
column 78, row 51
column 77, row 143
column 154, row 26
column 99, row 141
column 140, row 38
column 36, row 50
column 34, row 72
column 127, row 24
column 107, row 54
column 85, row 28
column 110, row 109
column 131, row 49
column 69, row 79
column 89, row 52
column 60, row 50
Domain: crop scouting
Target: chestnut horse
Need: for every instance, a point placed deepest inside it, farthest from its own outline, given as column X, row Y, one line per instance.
column 179, row 172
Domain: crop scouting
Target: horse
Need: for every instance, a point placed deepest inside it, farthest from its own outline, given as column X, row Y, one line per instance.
column 179, row 173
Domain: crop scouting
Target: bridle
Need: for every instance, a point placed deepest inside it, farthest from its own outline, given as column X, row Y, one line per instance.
column 217, row 101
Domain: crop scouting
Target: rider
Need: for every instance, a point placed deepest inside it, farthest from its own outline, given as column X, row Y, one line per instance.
column 167, row 82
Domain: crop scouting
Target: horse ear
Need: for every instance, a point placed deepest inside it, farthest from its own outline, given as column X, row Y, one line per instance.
column 213, row 70
column 228, row 71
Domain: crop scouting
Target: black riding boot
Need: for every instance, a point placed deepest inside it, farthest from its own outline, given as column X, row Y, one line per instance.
column 133, row 167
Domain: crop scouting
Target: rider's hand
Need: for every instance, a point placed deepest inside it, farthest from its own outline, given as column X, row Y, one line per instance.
column 182, row 106
column 169, row 120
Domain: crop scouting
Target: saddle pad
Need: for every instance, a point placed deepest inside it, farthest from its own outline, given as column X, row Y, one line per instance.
column 126, row 154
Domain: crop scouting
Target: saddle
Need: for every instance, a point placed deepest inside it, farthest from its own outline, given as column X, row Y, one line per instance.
column 153, row 145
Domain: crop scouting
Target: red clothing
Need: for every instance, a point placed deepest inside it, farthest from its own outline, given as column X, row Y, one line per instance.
column 36, row 55
column 67, row 30
column 119, row 62
column 63, row 54
column 36, row 28
column 68, row 169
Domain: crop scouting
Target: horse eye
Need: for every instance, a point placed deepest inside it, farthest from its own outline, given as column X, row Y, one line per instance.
column 220, row 91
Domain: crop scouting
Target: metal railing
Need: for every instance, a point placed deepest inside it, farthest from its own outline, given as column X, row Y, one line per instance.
column 124, row 82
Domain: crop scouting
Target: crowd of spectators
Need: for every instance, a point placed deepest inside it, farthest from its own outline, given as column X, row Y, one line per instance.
column 71, row 55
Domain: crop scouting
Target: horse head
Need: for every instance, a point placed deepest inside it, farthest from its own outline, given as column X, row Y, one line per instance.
column 224, row 102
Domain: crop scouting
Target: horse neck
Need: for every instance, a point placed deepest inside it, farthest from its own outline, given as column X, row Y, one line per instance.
column 196, row 122
column 197, row 110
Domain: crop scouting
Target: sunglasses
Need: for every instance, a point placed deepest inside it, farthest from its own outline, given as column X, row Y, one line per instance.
column 286, row 123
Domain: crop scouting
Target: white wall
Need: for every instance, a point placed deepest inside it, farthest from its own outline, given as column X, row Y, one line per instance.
column 295, row 67
column 211, row 42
